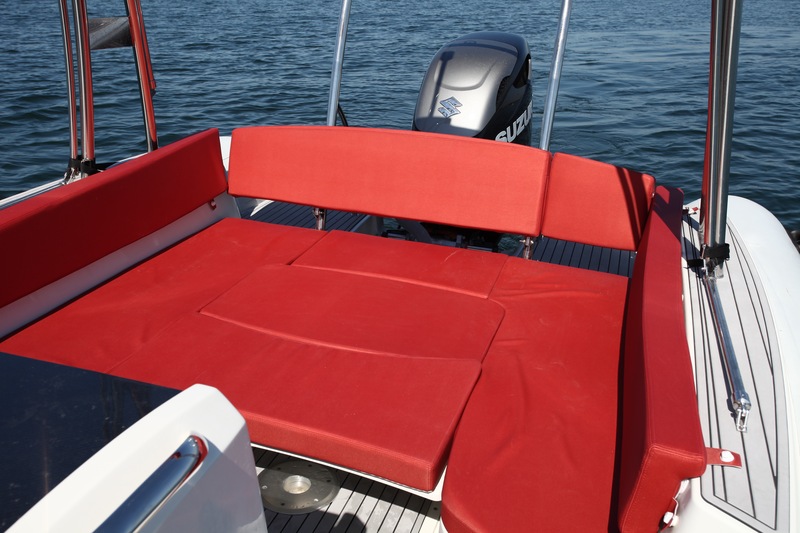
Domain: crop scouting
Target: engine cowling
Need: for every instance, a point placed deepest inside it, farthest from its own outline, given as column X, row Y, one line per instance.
column 479, row 85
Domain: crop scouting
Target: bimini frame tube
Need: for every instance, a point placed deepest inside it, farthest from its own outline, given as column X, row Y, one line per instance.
column 725, row 32
column 555, row 75
column 83, row 49
column 144, row 68
column 336, row 84
column 74, row 162
column 338, row 62
column 740, row 400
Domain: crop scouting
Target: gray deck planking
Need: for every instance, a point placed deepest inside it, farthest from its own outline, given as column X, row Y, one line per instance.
column 757, row 494
column 362, row 505
column 302, row 216
column 545, row 249
column 584, row 256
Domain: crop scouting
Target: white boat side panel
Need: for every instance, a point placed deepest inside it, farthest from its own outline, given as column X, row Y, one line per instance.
column 220, row 495
column 776, row 260
column 696, row 515
column 759, row 494
column 16, row 314
column 225, row 147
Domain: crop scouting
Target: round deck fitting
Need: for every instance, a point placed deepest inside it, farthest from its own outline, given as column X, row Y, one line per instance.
column 296, row 486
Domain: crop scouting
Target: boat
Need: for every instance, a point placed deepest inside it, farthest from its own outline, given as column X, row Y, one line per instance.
column 313, row 328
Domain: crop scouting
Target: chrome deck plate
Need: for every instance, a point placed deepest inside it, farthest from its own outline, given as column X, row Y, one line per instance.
column 294, row 486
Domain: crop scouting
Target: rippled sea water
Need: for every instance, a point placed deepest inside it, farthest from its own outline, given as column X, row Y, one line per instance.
column 633, row 91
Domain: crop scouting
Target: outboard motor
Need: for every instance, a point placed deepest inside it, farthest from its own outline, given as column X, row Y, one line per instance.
column 479, row 86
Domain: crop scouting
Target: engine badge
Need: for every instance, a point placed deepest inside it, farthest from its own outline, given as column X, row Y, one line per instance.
column 449, row 107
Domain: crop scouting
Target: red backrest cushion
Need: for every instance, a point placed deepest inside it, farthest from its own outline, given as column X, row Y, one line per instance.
column 596, row 203
column 60, row 231
column 662, row 442
column 445, row 179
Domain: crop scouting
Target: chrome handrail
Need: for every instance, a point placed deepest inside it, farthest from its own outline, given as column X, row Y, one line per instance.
column 157, row 489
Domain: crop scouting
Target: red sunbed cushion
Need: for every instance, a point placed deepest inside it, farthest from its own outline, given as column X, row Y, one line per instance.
column 390, row 416
column 540, row 428
column 360, row 313
column 65, row 229
column 105, row 326
column 596, row 203
column 366, row 372
column 475, row 183
column 453, row 269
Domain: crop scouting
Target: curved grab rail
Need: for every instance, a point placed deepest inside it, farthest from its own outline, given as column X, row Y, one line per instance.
column 158, row 488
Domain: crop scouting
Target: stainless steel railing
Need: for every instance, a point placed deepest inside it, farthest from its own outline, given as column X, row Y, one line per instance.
column 157, row 489
column 554, row 78
column 97, row 34
column 725, row 33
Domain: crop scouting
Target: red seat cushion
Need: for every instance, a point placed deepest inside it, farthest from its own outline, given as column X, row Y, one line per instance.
column 453, row 269
column 331, row 364
column 414, row 175
column 541, row 425
column 387, row 415
column 596, row 203
column 662, row 441
column 105, row 326
column 105, row 212
column 360, row 313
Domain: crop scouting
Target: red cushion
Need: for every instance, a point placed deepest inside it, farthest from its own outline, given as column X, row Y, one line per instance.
column 360, row 313
column 454, row 269
column 420, row 176
column 105, row 326
column 278, row 348
column 65, row 229
column 596, row 203
column 662, row 442
column 387, row 415
column 540, row 428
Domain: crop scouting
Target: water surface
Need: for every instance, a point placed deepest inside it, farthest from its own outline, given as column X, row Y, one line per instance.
column 633, row 88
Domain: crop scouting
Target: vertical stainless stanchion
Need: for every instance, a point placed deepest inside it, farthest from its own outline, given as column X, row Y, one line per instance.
column 144, row 69
column 74, row 162
column 725, row 33
column 554, row 80
column 83, row 50
column 338, row 62
column 555, row 75
column 336, row 83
